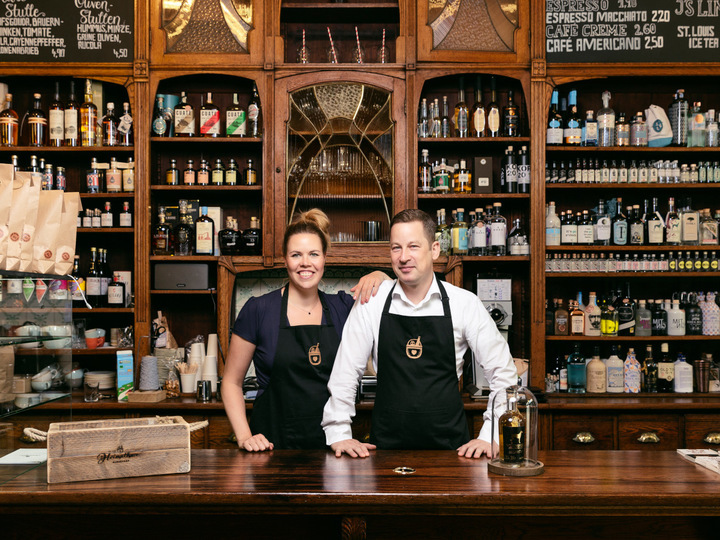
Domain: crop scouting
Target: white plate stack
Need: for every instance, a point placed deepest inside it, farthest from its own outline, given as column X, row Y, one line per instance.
column 105, row 378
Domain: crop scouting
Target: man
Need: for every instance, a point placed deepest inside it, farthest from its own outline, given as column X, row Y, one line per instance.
column 417, row 330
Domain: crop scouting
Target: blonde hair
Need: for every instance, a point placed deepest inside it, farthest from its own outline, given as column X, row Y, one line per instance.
column 314, row 221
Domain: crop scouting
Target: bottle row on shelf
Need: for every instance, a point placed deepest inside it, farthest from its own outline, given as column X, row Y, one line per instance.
column 219, row 175
column 693, row 314
column 485, row 233
column 175, row 117
column 589, row 171
column 482, row 120
column 608, row 225
column 576, row 374
column 680, row 126
column 66, row 123
column 440, row 177
column 97, row 218
column 645, row 262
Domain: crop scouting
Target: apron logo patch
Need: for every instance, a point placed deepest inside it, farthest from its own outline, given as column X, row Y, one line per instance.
column 413, row 349
column 314, row 355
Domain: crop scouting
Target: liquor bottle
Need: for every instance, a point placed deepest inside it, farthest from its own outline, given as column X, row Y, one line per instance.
column 590, row 130
column 47, row 178
column 518, row 239
column 498, row 231
column 60, row 179
column 673, row 225
column 568, row 230
column 172, row 174
column 592, row 316
column 511, row 427
column 37, row 123
column 425, row 173
column 693, row 316
column 423, row 120
column 250, row 175
column 649, row 372
column 678, row 113
column 229, row 238
column 203, row 174
column 251, row 243
column 77, row 285
column 606, row 122
column 596, row 374
column 106, row 218
column 458, row 232
column 209, row 118
column 435, row 122
column 586, row 230
column 184, row 118
column 655, row 225
column 161, row 235
column 235, row 120
column 615, row 369
column 689, row 224
column 56, row 120
column 160, row 126
column 71, row 118
column 552, row 226
column 631, row 373
column 620, row 226
column 576, row 371
column 445, row 126
column 105, row 275
column 254, row 115
column 577, row 320
column 666, row 370
column 523, row 171
column 88, row 118
column 563, row 377
column 638, row 130
column 93, row 281
column 183, row 233
column 572, row 132
column 562, row 322
column 683, row 381
column 231, row 173
column 622, row 131
column 676, row 319
column 9, row 123
column 477, row 239
column 442, row 233
column 625, row 308
column 189, row 174
column 708, row 229
column 511, row 118
column 602, row 228
column 608, row 318
column 125, row 127
column 92, row 177
column 659, row 319
column 477, row 115
column 110, row 127
column 552, row 377
column 508, row 172
column 711, row 315
column 554, row 135
column 636, row 227
column 28, row 293
column 113, row 178
column 493, row 111
column 116, row 292
column 217, row 175
column 462, row 180
column 461, row 113
column 87, row 218
column 125, row 218
column 204, row 233
column 643, row 320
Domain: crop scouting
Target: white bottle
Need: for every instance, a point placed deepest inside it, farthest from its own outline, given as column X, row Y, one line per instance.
column 592, row 316
column 676, row 319
column 683, row 375
column 631, row 373
column 595, row 374
column 614, row 372
column 552, row 226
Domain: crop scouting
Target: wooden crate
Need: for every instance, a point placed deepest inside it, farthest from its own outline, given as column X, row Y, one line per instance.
column 121, row 448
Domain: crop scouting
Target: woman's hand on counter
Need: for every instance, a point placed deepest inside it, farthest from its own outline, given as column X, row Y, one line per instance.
column 353, row 448
column 477, row 448
column 368, row 286
column 256, row 443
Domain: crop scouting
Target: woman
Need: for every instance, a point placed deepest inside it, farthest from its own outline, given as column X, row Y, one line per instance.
column 292, row 335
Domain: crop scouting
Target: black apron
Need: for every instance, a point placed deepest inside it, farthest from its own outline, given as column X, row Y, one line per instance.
column 418, row 404
column 290, row 410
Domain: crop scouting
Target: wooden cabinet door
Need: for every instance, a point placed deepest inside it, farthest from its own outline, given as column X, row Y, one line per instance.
column 648, row 431
column 702, row 431
column 583, row 432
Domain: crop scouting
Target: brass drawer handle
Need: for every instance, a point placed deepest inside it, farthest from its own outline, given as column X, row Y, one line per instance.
column 584, row 437
column 712, row 438
column 649, row 437
column 232, row 438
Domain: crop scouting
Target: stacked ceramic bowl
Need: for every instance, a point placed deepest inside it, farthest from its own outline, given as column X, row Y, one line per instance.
column 105, row 378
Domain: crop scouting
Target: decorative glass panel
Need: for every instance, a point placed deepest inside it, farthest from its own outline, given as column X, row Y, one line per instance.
column 213, row 26
column 340, row 157
column 473, row 25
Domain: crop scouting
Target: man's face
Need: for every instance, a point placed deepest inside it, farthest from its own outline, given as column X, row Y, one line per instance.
column 411, row 254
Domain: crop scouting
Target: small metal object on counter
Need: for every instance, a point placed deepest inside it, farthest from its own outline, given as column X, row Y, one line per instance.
column 403, row 470
column 204, row 391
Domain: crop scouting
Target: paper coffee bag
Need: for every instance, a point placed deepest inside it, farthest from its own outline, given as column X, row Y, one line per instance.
column 47, row 230
column 16, row 221
column 67, row 235
column 6, row 192
column 28, row 235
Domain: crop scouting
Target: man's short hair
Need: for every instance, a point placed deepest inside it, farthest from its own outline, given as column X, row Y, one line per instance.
column 414, row 214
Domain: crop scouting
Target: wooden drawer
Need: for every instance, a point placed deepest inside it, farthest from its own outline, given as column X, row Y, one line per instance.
column 582, row 432
column 702, row 431
column 658, row 431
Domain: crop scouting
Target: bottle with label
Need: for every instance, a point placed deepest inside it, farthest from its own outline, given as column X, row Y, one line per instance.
column 615, row 369
column 172, row 175
column 568, row 230
column 203, row 174
column 37, row 123
column 638, row 130
column 423, row 120
column 9, row 123
column 511, row 428
column 209, row 118
column 636, row 227
column 125, row 217
column 477, row 115
column 217, row 175
column 113, row 178
column 254, row 115
column 498, row 231
column 128, row 176
column 622, row 131
column 562, row 326
column 105, row 275
column 183, row 233
column 577, row 320
column 590, row 130
column 425, row 173
column 56, row 120
column 161, row 235
column 659, row 319
column 231, row 173
column 88, row 118
column 643, row 320
column 71, row 117
column 76, row 286
column 93, row 279
column 554, row 135
column 518, row 239
column 683, row 382
column 678, row 113
column 229, row 238
column 572, row 132
column 116, row 292
column 708, row 229
column 602, row 226
column 160, row 126
column 435, row 122
column 445, row 122
column 649, row 372
column 608, row 319
column 125, row 127
column 111, row 136
column 204, row 233
column 666, row 370
column 606, row 122
column 442, row 233
column 441, row 177
column 710, row 315
column 493, row 111
column 189, row 174
column 523, row 170
column 586, row 230
column 511, row 118
column 461, row 112
column 592, row 317
column 576, row 371
column 106, row 218
column 673, row 225
column 596, row 374
column 458, row 232
column 625, row 307
column 250, row 175
column 92, row 177
column 689, row 224
column 462, row 180
column 619, row 226
column 477, row 239
column 676, row 319
column 251, row 241
column 655, row 225
column 631, row 373
column 693, row 316
column 509, row 171
column 235, row 119
column 184, row 118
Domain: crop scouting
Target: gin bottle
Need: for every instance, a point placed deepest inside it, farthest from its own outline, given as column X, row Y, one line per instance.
column 498, row 231
column 606, row 122
column 678, row 113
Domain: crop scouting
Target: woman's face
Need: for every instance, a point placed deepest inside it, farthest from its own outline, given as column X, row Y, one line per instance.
column 305, row 261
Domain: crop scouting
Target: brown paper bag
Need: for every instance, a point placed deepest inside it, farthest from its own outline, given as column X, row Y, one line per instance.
column 7, row 369
column 28, row 236
column 6, row 192
column 47, row 230
column 67, row 235
column 16, row 220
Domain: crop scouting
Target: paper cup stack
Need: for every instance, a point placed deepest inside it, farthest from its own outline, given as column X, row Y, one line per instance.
column 197, row 356
column 209, row 371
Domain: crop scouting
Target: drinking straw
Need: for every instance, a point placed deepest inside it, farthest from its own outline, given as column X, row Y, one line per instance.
column 382, row 49
column 332, row 45
column 357, row 39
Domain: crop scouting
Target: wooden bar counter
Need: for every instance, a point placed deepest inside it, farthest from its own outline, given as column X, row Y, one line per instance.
column 313, row 494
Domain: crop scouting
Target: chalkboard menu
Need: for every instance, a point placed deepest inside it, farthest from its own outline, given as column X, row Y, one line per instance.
column 632, row 30
column 67, row 30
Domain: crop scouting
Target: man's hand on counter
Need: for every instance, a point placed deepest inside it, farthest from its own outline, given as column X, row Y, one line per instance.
column 476, row 448
column 352, row 448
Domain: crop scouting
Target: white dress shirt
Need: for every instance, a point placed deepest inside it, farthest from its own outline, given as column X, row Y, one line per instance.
column 472, row 327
